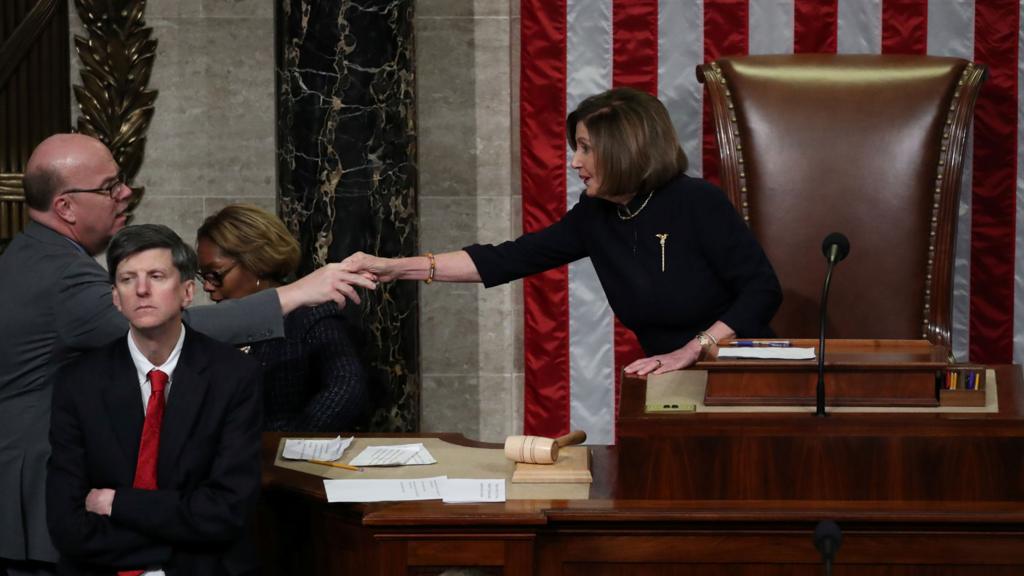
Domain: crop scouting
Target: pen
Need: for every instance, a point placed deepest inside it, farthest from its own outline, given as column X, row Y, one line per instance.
column 337, row 465
column 768, row 343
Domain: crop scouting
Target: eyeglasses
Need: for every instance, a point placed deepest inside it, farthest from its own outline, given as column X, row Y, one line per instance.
column 108, row 190
column 216, row 277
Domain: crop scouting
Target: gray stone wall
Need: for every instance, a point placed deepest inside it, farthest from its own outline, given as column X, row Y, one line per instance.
column 467, row 102
column 211, row 142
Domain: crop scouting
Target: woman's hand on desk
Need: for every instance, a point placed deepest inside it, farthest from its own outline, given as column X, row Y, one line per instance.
column 675, row 360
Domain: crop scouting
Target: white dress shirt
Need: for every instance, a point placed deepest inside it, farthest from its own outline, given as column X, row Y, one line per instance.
column 142, row 368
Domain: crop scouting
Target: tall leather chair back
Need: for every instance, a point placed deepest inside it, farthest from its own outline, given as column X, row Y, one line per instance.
column 870, row 146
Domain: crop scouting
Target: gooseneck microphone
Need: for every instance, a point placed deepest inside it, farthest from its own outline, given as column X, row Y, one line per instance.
column 835, row 248
column 827, row 539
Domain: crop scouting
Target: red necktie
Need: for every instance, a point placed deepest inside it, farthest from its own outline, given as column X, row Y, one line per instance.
column 149, row 447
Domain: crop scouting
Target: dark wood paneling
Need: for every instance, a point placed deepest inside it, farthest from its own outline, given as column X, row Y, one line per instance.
column 34, row 98
column 35, row 102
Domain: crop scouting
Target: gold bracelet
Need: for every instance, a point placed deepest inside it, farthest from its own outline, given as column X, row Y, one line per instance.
column 433, row 267
column 706, row 341
column 714, row 341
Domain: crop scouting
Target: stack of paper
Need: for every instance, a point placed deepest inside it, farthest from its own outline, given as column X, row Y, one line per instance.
column 766, row 353
column 325, row 449
column 435, row 488
column 397, row 455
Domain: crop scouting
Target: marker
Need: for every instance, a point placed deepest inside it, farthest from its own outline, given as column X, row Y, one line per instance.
column 756, row 343
column 337, row 465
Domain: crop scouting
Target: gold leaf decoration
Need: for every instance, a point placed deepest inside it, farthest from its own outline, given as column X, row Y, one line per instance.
column 117, row 59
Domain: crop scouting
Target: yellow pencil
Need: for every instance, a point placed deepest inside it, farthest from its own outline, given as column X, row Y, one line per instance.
column 337, row 465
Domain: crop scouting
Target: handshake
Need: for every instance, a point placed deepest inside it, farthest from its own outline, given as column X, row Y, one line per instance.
column 337, row 282
column 374, row 268
column 340, row 279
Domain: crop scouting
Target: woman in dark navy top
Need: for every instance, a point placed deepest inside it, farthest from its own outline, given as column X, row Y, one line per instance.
column 313, row 380
column 677, row 263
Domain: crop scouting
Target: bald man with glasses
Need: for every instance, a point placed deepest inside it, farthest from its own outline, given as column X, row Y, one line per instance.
column 56, row 303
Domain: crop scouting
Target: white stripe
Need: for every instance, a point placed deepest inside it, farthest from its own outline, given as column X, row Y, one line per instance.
column 860, row 27
column 591, row 329
column 951, row 33
column 680, row 50
column 771, row 26
column 951, row 28
column 1018, row 265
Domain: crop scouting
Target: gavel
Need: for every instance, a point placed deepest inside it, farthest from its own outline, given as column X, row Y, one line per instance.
column 538, row 449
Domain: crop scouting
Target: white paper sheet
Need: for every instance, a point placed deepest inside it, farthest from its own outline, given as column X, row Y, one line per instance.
column 326, row 449
column 455, row 490
column 397, row 455
column 766, row 352
column 451, row 490
column 384, row 490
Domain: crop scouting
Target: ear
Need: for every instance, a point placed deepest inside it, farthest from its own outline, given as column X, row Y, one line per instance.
column 63, row 208
column 190, row 290
column 117, row 298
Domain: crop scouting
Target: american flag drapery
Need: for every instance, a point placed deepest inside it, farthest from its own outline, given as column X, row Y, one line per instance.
column 574, row 48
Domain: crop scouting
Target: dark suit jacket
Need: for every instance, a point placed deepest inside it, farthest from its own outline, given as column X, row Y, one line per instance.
column 56, row 303
column 208, row 467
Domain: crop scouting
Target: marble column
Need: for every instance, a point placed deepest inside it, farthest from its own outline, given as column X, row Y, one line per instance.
column 346, row 150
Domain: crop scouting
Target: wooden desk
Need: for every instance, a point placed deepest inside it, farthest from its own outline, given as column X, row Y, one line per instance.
column 710, row 493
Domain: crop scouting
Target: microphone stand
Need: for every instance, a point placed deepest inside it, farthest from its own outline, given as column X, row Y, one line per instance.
column 827, row 539
column 820, row 390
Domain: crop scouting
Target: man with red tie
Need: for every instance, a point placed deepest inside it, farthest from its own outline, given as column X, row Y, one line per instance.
column 155, row 464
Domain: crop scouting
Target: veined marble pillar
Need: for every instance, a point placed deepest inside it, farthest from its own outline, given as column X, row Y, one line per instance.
column 346, row 150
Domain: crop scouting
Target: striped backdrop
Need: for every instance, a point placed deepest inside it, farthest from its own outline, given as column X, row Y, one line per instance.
column 574, row 48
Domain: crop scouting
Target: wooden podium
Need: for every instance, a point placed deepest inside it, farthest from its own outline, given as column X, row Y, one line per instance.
column 857, row 373
column 722, row 493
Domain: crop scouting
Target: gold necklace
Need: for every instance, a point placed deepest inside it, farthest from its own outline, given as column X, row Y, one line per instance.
column 623, row 212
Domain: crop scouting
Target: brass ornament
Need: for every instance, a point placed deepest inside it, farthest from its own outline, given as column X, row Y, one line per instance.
column 13, row 212
column 117, row 59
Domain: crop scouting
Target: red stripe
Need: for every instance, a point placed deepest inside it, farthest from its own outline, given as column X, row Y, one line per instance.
column 995, row 168
column 635, row 44
column 726, row 33
column 904, row 26
column 635, row 64
column 545, row 296
column 815, row 26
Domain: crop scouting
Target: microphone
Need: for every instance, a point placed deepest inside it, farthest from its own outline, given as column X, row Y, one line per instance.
column 827, row 539
column 835, row 247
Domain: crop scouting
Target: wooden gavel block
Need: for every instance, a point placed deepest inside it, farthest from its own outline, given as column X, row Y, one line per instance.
column 538, row 449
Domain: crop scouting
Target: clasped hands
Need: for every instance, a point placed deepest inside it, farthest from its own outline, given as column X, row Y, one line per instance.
column 371, row 267
column 336, row 282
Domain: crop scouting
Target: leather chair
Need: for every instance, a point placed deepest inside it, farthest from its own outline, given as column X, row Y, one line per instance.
column 870, row 146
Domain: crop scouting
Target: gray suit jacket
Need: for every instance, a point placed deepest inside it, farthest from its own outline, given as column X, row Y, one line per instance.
column 56, row 302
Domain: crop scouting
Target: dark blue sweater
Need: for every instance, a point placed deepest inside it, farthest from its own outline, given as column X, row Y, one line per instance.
column 714, row 268
column 313, row 380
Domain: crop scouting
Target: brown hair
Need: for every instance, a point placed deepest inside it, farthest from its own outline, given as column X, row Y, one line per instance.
column 634, row 142
column 256, row 238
